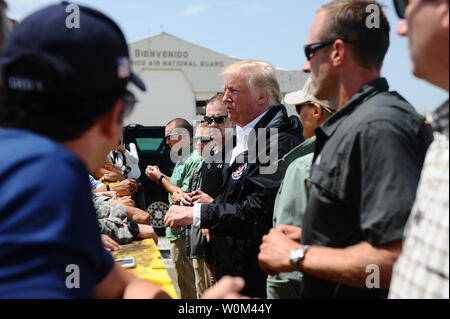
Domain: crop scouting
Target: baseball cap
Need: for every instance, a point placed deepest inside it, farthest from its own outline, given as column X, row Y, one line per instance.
column 91, row 58
column 305, row 95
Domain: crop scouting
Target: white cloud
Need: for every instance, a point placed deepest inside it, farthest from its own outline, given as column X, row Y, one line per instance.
column 194, row 10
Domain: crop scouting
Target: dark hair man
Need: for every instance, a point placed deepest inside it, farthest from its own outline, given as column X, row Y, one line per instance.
column 69, row 86
column 366, row 163
column 178, row 134
column 243, row 211
column 421, row 271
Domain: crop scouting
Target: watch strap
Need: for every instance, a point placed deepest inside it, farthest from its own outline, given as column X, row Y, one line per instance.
column 159, row 180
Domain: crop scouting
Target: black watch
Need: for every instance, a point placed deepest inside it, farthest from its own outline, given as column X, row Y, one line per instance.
column 160, row 179
column 133, row 228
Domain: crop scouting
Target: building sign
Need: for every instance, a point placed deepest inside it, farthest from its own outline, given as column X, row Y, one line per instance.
column 165, row 58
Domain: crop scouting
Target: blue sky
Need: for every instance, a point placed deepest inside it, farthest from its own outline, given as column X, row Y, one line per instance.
column 270, row 30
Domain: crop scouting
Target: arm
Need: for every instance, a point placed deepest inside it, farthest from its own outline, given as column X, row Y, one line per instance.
column 121, row 283
column 124, row 188
column 348, row 267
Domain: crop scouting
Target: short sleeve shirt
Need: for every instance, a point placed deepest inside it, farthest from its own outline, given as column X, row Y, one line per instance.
column 50, row 243
column 364, row 178
column 181, row 176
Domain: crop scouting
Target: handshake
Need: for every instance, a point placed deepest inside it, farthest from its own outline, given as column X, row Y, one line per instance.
column 189, row 199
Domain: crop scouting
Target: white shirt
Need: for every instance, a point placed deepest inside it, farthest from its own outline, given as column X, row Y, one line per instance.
column 242, row 134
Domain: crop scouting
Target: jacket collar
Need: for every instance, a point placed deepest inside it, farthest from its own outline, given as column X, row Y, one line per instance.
column 365, row 93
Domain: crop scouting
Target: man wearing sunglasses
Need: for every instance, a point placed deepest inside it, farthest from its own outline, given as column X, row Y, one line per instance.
column 290, row 203
column 366, row 164
column 179, row 138
column 242, row 213
column 422, row 270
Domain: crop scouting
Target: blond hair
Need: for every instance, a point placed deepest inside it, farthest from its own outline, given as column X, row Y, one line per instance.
column 260, row 75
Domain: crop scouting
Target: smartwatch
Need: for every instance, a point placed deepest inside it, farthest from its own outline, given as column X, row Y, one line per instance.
column 158, row 181
column 298, row 255
column 133, row 228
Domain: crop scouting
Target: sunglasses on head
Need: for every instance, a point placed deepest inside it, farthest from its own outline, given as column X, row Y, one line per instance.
column 313, row 47
column 218, row 119
column 400, row 7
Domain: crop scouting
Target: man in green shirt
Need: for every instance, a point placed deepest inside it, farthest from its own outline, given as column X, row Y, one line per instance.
column 290, row 203
column 178, row 135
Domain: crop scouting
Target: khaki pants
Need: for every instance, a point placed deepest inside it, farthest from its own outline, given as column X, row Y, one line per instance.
column 204, row 275
column 183, row 268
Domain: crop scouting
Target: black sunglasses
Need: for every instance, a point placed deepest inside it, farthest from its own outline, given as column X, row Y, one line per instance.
column 218, row 119
column 313, row 47
column 172, row 136
column 203, row 139
column 400, row 7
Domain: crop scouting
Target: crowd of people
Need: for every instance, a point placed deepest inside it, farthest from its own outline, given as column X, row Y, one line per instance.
column 349, row 199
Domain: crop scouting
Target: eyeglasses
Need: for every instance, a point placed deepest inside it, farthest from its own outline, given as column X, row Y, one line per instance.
column 313, row 47
column 172, row 136
column 298, row 107
column 129, row 101
column 400, row 7
column 203, row 139
column 218, row 119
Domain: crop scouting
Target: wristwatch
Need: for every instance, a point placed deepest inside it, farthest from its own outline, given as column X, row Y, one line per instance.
column 133, row 228
column 160, row 179
column 297, row 255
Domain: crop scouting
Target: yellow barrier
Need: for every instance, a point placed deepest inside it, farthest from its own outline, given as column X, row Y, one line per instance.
column 149, row 265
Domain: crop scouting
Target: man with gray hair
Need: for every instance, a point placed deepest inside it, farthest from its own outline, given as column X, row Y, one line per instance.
column 243, row 212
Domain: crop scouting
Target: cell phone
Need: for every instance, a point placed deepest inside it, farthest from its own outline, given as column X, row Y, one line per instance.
column 128, row 262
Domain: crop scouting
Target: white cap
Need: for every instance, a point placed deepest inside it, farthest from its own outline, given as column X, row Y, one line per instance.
column 305, row 95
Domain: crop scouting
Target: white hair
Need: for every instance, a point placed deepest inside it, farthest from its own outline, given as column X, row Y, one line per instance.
column 260, row 74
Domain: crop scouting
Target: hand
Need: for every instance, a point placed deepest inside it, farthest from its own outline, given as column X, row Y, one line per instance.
column 207, row 234
column 274, row 252
column 178, row 216
column 112, row 177
column 124, row 200
column 147, row 231
column 153, row 172
column 110, row 194
column 121, row 149
column 108, row 243
column 293, row 232
column 226, row 288
column 186, row 200
column 177, row 196
column 200, row 197
column 138, row 215
column 125, row 187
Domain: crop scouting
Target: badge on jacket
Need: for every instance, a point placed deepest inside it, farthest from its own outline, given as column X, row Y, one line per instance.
column 238, row 173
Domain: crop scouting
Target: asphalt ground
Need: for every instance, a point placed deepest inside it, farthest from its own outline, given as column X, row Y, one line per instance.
column 164, row 248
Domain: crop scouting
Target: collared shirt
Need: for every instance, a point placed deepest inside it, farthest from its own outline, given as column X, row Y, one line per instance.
column 181, row 176
column 242, row 134
column 422, row 270
column 367, row 165
column 290, row 206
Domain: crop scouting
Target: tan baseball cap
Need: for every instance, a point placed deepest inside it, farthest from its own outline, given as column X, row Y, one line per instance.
column 305, row 95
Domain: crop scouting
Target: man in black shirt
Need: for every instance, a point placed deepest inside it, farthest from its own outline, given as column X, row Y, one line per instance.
column 366, row 166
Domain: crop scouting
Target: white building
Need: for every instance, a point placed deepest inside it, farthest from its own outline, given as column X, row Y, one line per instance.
column 180, row 78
